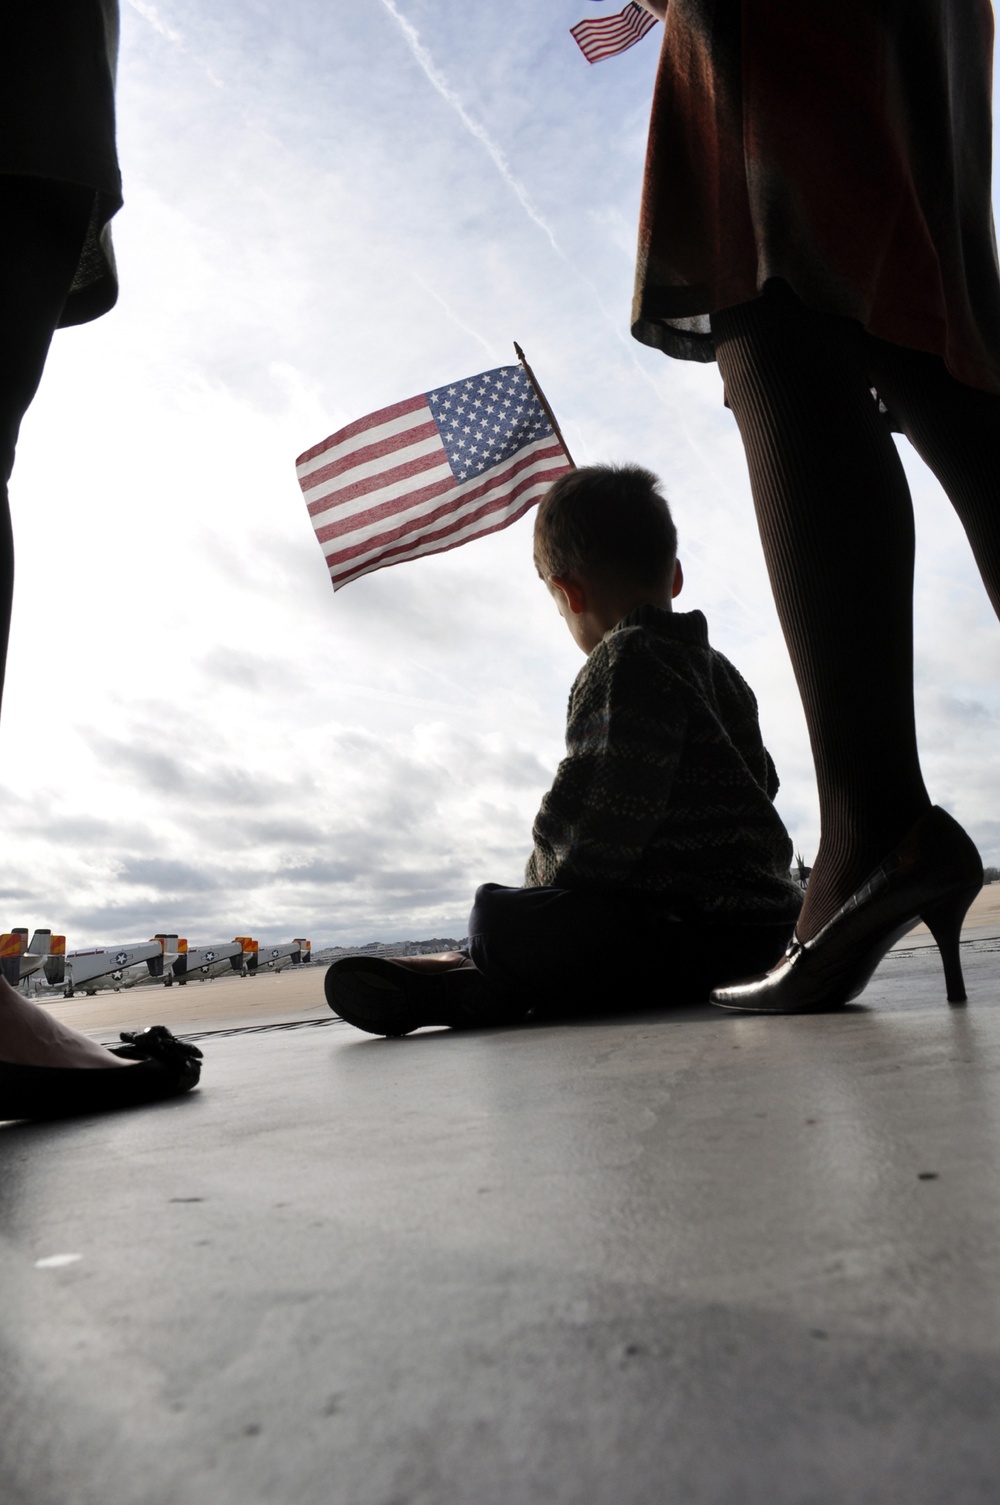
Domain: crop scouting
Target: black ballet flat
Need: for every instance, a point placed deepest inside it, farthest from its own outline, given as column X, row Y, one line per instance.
column 385, row 997
column 165, row 1067
column 933, row 875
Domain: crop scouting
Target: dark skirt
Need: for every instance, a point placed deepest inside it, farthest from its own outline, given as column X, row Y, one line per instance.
column 844, row 148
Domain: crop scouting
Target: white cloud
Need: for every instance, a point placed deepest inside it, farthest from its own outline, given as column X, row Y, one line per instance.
column 151, row 14
column 198, row 734
column 450, row 96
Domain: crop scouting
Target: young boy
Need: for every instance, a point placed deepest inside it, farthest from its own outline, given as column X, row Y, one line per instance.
column 660, row 865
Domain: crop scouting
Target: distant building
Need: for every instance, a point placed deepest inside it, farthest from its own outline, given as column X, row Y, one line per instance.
column 388, row 948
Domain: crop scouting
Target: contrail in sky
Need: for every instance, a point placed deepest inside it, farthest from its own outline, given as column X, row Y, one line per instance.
column 455, row 317
column 438, row 81
column 151, row 14
column 447, row 93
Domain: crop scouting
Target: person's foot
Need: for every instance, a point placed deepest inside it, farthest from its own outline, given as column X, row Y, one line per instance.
column 841, row 867
column 395, row 997
column 933, row 874
column 31, row 1036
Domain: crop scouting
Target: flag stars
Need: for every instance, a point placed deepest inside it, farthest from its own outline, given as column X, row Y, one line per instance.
column 486, row 420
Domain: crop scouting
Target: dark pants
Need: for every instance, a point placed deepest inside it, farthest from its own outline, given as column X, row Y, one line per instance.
column 561, row 949
column 43, row 226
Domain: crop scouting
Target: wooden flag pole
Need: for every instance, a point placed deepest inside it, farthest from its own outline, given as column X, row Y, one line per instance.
column 544, row 402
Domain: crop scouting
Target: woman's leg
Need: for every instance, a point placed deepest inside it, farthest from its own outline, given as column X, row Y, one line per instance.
column 836, row 522
column 956, row 431
column 42, row 229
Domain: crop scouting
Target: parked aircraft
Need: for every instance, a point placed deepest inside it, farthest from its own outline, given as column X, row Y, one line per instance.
column 210, row 961
column 107, row 967
column 165, row 959
column 183, row 962
column 19, row 958
column 277, row 958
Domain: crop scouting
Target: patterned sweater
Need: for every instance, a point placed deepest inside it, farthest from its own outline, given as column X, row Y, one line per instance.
column 666, row 790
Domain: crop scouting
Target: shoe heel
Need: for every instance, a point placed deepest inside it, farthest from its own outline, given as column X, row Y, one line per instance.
column 944, row 921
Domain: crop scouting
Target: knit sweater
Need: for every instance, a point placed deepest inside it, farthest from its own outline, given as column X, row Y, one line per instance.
column 666, row 791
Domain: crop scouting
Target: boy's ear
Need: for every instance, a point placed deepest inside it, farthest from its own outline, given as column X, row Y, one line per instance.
column 678, row 581
column 573, row 590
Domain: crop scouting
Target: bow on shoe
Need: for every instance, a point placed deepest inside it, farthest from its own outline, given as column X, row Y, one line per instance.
column 157, row 1044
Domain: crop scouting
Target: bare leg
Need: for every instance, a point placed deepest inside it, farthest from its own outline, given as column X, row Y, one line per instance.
column 31, row 1036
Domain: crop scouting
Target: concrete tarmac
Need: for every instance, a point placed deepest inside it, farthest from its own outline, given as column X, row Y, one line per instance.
column 669, row 1258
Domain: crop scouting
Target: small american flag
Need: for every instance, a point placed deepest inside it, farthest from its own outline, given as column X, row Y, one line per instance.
column 612, row 34
column 430, row 473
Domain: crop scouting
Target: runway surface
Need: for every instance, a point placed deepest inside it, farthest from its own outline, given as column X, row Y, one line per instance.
column 683, row 1258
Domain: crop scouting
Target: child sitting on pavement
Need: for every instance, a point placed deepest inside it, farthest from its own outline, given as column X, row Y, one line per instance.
column 660, row 866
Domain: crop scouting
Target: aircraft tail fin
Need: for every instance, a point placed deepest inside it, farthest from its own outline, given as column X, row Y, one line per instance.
column 55, row 962
column 248, row 961
column 180, row 966
column 11, row 946
column 304, row 952
column 40, row 942
column 155, row 963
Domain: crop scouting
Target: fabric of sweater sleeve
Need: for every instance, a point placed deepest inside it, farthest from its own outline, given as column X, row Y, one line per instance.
column 613, row 788
column 666, row 790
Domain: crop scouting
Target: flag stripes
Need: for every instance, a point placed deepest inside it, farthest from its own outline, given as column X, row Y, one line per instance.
column 609, row 35
column 490, row 518
column 428, row 474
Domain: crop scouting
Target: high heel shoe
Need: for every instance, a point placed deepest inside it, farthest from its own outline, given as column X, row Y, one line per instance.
column 165, row 1066
column 934, row 875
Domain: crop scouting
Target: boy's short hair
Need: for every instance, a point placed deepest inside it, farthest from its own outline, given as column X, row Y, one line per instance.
column 606, row 522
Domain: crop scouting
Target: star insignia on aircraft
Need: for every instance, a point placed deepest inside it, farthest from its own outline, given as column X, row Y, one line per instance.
column 121, row 958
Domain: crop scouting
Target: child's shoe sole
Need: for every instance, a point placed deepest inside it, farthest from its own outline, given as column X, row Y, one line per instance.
column 385, row 997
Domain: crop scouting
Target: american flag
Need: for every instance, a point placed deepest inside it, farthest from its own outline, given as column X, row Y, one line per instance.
column 430, row 473
column 612, row 34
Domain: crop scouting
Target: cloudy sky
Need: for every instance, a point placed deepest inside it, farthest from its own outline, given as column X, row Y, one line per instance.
column 330, row 208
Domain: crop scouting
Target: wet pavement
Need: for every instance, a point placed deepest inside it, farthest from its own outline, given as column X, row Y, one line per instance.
column 686, row 1258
